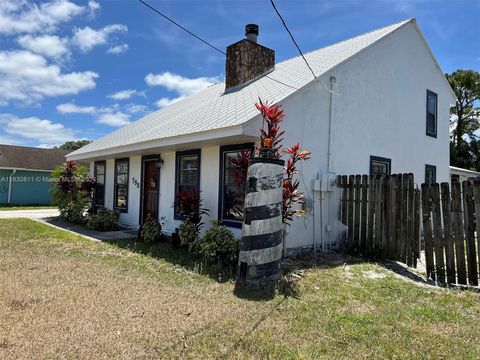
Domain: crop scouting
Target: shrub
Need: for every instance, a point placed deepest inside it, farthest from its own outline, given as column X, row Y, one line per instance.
column 72, row 190
column 151, row 231
column 188, row 204
column 103, row 220
column 188, row 232
column 218, row 245
column 73, row 211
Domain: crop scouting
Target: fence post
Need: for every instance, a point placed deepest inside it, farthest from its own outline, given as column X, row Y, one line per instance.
column 457, row 230
column 437, row 231
column 476, row 195
column 468, row 212
column 356, row 236
column 363, row 225
column 410, row 221
column 378, row 215
column 447, row 232
column 386, row 243
column 371, row 214
column 427, row 231
column 351, row 200
column 416, row 229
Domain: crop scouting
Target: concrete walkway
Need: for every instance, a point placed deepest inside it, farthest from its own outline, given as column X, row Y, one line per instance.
column 50, row 217
column 39, row 214
column 90, row 234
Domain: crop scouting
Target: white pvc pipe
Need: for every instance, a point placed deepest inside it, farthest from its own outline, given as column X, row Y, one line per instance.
column 10, row 186
column 330, row 115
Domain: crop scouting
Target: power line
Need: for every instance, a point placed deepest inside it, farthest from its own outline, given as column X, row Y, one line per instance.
column 182, row 27
column 205, row 41
column 291, row 36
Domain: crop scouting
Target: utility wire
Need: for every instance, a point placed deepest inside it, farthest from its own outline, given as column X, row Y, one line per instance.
column 291, row 36
column 182, row 27
column 205, row 41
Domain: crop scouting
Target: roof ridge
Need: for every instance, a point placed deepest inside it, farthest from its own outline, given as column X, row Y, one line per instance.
column 403, row 22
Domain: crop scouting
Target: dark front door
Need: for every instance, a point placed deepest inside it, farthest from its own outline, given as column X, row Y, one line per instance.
column 151, row 183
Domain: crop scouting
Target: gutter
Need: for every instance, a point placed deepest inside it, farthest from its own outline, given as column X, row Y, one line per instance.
column 10, row 186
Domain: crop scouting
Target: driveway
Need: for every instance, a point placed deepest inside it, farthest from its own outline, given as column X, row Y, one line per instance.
column 40, row 214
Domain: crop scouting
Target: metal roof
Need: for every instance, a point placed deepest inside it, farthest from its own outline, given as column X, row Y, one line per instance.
column 213, row 108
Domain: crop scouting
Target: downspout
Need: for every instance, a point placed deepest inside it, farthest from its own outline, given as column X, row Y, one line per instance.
column 330, row 115
column 329, row 166
column 10, row 186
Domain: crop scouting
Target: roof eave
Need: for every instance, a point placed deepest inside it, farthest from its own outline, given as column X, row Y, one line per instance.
column 209, row 135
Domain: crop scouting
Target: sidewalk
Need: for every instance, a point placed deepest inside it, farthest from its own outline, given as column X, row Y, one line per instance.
column 50, row 217
column 88, row 233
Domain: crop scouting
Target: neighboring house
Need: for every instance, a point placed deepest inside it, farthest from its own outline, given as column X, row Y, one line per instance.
column 25, row 174
column 380, row 104
column 459, row 174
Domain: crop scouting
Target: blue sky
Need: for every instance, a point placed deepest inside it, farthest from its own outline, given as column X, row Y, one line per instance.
column 80, row 69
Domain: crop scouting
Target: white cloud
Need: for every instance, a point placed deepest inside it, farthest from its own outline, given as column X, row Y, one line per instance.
column 9, row 140
column 48, row 45
column 163, row 102
column 28, row 78
column 117, row 50
column 28, row 17
column 179, row 84
column 33, row 128
column 70, row 108
column 135, row 108
column 125, row 94
column 116, row 119
column 87, row 38
column 93, row 6
column 109, row 115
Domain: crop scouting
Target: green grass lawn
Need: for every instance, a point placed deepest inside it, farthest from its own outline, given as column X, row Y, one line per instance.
column 66, row 297
column 26, row 207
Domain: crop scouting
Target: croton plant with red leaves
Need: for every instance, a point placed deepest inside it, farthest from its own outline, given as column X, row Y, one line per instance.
column 291, row 194
column 188, row 204
column 272, row 137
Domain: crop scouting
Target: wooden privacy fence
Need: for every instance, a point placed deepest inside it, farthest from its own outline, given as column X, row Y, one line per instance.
column 382, row 215
column 451, row 232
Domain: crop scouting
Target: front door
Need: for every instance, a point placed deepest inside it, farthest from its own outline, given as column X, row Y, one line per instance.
column 150, row 186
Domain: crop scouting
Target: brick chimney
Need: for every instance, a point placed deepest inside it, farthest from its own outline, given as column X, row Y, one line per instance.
column 247, row 60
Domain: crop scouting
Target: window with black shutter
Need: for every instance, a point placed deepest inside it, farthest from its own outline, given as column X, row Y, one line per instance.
column 120, row 201
column 99, row 194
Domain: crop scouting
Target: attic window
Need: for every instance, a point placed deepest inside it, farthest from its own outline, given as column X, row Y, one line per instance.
column 432, row 113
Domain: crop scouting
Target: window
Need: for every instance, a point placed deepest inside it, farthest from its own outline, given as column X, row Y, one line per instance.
column 187, row 173
column 120, row 201
column 231, row 192
column 99, row 193
column 455, row 177
column 431, row 113
column 430, row 174
column 380, row 166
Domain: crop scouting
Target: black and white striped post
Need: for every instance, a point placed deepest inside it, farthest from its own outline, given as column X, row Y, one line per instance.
column 261, row 244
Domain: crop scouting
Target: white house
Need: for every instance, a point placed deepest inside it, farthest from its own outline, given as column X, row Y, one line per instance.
column 459, row 174
column 379, row 104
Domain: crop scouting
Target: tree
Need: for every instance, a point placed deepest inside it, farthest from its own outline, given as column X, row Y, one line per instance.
column 73, row 145
column 465, row 117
